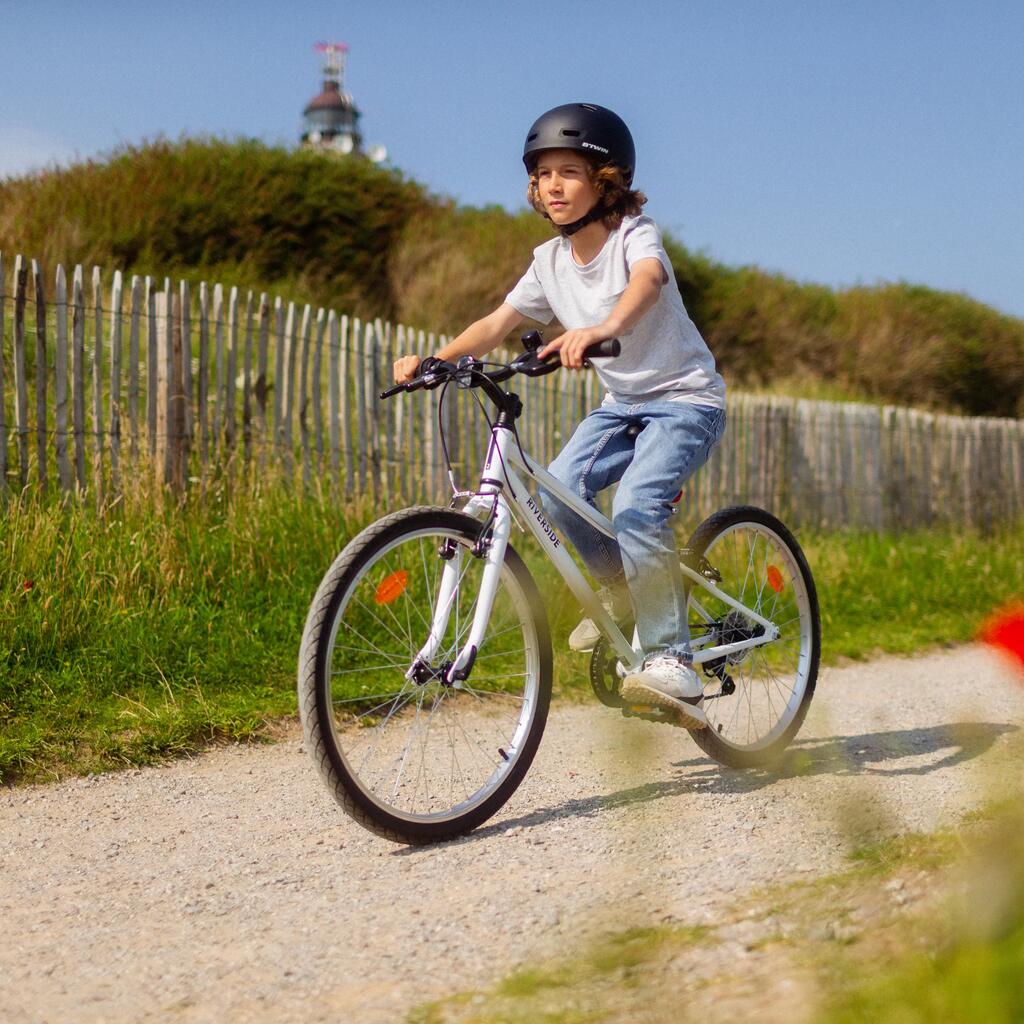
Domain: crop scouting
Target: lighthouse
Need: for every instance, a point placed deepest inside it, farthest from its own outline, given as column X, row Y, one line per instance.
column 330, row 122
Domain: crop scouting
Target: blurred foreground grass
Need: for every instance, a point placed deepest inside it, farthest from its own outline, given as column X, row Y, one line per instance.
column 938, row 939
column 148, row 630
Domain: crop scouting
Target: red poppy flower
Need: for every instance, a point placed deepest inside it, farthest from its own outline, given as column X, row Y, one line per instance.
column 1004, row 629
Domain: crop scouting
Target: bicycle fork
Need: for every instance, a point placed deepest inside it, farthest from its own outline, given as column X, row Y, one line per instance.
column 452, row 673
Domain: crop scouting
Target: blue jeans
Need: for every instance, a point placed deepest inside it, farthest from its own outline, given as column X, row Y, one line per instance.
column 675, row 441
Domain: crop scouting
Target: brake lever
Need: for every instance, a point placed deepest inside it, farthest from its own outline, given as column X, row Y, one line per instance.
column 427, row 382
column 529, row 364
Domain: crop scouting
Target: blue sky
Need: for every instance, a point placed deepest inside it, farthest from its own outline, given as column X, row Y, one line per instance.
column 838, row 142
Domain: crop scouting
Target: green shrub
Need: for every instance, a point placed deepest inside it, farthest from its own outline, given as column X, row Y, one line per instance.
column 340, row 231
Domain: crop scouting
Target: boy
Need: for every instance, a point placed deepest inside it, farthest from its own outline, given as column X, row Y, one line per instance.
column 607, row 275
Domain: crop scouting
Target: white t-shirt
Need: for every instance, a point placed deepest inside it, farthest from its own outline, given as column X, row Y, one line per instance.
column 663, row 356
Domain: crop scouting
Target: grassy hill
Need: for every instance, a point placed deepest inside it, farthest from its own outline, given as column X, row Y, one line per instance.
column 367, row 240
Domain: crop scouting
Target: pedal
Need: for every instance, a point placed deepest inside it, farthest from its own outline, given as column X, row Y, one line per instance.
column 649, row 714
column 661, row 717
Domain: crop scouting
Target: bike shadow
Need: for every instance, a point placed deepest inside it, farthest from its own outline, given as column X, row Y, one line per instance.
column 900, row 752
column 894, row 753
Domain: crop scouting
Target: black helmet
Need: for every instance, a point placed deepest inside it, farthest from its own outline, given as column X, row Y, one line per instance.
column 596, row 131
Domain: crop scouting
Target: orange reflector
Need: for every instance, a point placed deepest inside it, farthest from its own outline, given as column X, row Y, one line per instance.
column 775, row 579
column 391, row 587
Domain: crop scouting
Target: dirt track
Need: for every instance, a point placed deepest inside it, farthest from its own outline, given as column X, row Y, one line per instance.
column 230, row 887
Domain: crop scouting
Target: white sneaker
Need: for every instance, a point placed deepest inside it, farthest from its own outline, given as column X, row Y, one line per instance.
column 616, row 603
column 665, row 682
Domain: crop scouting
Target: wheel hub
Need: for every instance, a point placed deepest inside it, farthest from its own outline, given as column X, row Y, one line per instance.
column 735, row 628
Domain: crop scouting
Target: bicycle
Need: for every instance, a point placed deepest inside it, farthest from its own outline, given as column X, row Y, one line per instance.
column 425, row 668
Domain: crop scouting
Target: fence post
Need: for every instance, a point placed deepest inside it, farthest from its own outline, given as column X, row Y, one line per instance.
column 332, row 396
column 97, row 384
column 303, row 402
column 170, row 462
column 345, row 410
column 78, row 372
column 316, row 388
column 411, row 485
column 133, row 365
column 382, row 416
column 401, row 452
column 203, row 389
column 230, row 419
column 278, row 385
column 152, row 400
column 60, row 395
column 429, row 475
column 288, row 393
column 374, row 343
column 41, row 373
column 115, row 383
column 179, row 395
column 216, row 433
column 261, row 377
column 20, row 380
column 162, row 434
column 358, row 345
column 247, row 380
column 185, row 308
column 3, row 398
column 383, row 365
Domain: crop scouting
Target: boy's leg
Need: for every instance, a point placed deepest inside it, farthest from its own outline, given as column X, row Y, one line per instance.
column 676, row 441
column 594, row 458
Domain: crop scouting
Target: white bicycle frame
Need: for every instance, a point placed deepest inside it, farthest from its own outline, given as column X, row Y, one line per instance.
column 501, row 487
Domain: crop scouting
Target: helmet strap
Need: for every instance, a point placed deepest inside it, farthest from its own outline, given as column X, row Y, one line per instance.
column 597, row 211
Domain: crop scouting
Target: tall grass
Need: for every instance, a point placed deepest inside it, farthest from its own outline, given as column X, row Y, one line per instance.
column 149, row 629
column 342, row 232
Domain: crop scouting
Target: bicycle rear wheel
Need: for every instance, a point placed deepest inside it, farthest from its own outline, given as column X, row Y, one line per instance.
column 420, row 761
column 756, row 699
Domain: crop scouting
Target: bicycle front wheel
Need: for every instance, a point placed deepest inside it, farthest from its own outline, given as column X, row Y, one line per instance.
column 755, row 698
column 416, row 759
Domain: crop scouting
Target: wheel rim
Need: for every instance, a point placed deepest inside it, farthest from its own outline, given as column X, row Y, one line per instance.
column 429, row 752
column 759, row 570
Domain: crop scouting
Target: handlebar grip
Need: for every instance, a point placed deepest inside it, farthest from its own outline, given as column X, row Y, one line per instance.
column 612, row 347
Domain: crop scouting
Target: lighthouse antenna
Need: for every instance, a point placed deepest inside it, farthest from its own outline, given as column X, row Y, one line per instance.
column 334, row 55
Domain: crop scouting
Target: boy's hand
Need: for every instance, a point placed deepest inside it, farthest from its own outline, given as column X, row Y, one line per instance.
column 573, row 344
column 405, row 369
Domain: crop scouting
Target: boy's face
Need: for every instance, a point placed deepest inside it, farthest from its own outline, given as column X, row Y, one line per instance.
column 563, row 181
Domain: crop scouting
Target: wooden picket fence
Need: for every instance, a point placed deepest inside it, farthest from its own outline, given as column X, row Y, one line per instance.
column 196, row 386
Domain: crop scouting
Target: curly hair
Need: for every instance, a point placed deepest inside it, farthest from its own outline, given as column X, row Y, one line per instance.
column 615, row 196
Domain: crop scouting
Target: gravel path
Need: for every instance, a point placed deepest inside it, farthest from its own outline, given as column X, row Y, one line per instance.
column 230, row 887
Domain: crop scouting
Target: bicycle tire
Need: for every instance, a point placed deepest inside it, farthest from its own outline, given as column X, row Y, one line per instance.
column 332, row 724
column 777, row 579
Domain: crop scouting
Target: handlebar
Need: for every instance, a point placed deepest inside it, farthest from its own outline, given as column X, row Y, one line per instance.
column 528, row 363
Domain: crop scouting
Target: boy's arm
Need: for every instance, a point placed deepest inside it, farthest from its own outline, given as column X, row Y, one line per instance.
column 645, row 280
column 480, row 337
column 476, row 340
